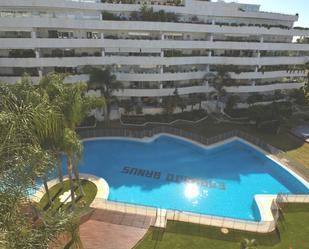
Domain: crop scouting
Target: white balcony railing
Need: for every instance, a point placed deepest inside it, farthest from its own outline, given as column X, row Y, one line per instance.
column 202, row 89
column 191, row 7
column 179, row 76
column 30, row 43
column 149, row 61
column 25, row 23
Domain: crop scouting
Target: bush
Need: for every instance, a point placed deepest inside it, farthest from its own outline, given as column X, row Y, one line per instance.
column 270, row 117
column 237, row 113
column 270, row 126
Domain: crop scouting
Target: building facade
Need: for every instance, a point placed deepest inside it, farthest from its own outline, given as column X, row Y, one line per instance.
column 154, row 47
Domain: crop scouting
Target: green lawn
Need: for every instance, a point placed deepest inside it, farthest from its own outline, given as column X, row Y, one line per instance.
column 90, row 190
column 293, row 230
column 301, row 154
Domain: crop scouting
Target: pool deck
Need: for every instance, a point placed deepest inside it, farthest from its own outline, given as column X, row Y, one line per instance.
column 113, row 230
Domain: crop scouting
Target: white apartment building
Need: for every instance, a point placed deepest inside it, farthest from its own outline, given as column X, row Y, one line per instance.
column 174, row 48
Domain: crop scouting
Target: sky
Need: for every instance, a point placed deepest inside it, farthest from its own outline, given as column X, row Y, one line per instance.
column 284, row 6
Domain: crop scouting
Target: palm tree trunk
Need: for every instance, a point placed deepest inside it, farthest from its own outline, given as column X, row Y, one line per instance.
column 47, row 190
column 108, row 110
column 218, row 100
column 76, row 175
column 69, row 165
column 59, row 168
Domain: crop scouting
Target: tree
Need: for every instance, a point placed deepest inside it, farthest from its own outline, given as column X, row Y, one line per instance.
column 300, row 96
column 278, row 95
column 28, row 94
column 72, row 102
column 232, row 102
column 201, row 97
column 218, row 81
column 26, row 120
column 73, row 229
column 106, row 82
column 128, row 106
column 181, row 103
column 255, row 97
column 169, row 103
column 271, row 117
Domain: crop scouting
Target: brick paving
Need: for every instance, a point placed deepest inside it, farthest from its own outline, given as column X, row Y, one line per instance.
column 113, row 230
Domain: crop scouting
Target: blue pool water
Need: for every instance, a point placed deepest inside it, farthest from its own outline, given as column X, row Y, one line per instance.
column 173, row 173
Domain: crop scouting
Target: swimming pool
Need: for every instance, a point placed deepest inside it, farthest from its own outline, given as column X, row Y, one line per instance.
column 172, row 173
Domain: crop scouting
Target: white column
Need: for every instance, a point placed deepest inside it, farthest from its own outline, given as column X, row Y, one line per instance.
column 162, row 53
column 103, row 52
column 162, row 36
column 211, row 38
column 256, row 69
column 262, row 39
column 40, row 73
column 209, row 53
column 37, row 53
column 33, row 34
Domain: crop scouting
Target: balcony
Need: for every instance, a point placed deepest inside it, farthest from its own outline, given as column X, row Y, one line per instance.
column 148, row 61
column 57, row 23
column 202, row 89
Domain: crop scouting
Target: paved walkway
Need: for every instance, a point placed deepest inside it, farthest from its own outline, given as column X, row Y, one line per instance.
column 113, row 230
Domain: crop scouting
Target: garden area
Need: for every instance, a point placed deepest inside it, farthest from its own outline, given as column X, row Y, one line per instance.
column 58, row 190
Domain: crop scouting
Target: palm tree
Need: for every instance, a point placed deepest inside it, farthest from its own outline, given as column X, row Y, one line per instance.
column 72, row 145
column 73, row 229
column 26, row 120
column 219, row 81
column 128, row 106
column 106, row 82
column 52, row 85
column 70, row 99
column 201, row 97
column 232, row 102
column 181, row 103
column 46, row 129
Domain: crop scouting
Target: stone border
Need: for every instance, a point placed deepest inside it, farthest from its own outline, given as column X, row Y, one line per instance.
column 101, row 184
column 264, row 202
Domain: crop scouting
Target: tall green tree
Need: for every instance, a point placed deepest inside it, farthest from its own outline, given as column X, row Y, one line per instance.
column 232, row 102
column 26, row 119
column 104, row 80
column 72, row 102
column 219, row 81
